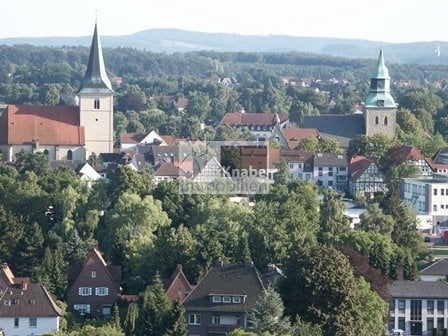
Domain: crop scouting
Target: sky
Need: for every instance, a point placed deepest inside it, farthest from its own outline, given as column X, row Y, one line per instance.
column 397, row 21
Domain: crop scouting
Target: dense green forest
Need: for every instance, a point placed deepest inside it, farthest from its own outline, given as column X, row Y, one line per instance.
column 50, row 219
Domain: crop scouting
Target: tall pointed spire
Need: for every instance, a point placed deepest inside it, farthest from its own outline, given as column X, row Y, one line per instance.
column 379, row 93
column 381, row 71
column 95, row 79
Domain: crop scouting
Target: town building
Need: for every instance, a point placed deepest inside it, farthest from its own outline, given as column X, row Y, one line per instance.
column 221, row 300
column 65, row 132
column 331, row 170
column 94, row 286
column 365, row 177
column 26, row 308
column 417, row 307
column 378, row 115
column 428, row 196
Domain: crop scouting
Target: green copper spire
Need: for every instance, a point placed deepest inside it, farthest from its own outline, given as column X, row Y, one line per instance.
column 95, row 79
column 379, row 93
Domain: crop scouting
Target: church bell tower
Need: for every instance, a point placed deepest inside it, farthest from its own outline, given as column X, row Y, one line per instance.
column 96, row 103
column 380, row 109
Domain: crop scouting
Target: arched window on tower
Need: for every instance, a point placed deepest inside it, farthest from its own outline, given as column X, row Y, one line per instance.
column 377, row 120
column 69, row 154
column 96, row 104
column 385, row 120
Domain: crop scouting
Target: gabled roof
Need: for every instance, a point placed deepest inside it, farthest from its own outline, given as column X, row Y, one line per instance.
column 47, row 125
column 341, row 127
column 27, row 300
column 330, row 159
column 176, row 283
column 249, row 119
column 358, row 165
column 260, row 157
column 294, row 135
column 419, row 289
column 95, row 257
column 226, row 280
column 164, row 168
column 438, row 267
column 402, row 154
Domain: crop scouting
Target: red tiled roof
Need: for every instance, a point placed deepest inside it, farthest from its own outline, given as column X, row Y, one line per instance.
column 357, row 166
column 258, row 158
column 294, row 135
column 262, row 119
column 49, row 125
column 170, row 140
column 132, row 138
column 168, row 169
column 403, row 154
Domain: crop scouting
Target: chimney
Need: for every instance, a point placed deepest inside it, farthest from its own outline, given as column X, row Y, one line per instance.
column 24, row 285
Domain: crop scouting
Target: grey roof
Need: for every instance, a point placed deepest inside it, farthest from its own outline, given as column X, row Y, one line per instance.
column 28, row 300
column 330, row 159
column 439, row 267
column 341, row 127
column 419, row 289
column 95, row 79
column 226, row 280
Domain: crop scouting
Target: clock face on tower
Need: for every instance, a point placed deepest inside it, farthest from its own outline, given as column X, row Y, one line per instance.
column 380, row 84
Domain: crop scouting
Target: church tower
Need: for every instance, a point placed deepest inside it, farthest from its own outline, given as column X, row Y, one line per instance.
column 380, row 109
column 96, row 103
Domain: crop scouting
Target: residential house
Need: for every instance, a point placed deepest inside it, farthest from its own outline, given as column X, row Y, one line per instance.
column 408, row 154
column 290, row 137
column 177, row 287
column 261, row 159
column 167, row 171
column 429, row 196
column 331, row 170
column 365, row 177
column 26, row 308
column 300, row 164
column 435, row 270
column 260, row 125
column 65, row 132
column 221, row 300
column 130, row 141
column 94, row 286
column 418, row 306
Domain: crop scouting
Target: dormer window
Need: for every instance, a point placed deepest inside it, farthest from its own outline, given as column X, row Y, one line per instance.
column 226, row 299
column 96, row 104
column 236, row 299
column 216, row 298
column 93, row 274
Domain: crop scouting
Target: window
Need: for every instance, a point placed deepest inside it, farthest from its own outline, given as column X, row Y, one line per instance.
column 330, row 183
column 442, row 192
column 430, row 307
column 16, row 322
column 434, row 207
column 46, row 152
column 93, row 275
column 429, row 323
column 85, row 291
column 226, row 299
column 96, row 104
column 82, row 309
column 385, row 120
column 32, row 301
column 107, row 310
column 440, row 306
column 416, row 310
column 101, row 291
column 236, row 299
column 33, row 322
column 377, row 120
column 216, row 298
column 435, row 192
column 194, row 319
column 401, row 306
column 291, row 165
column 216, row 319
column 401, row 323
column 69, row 154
